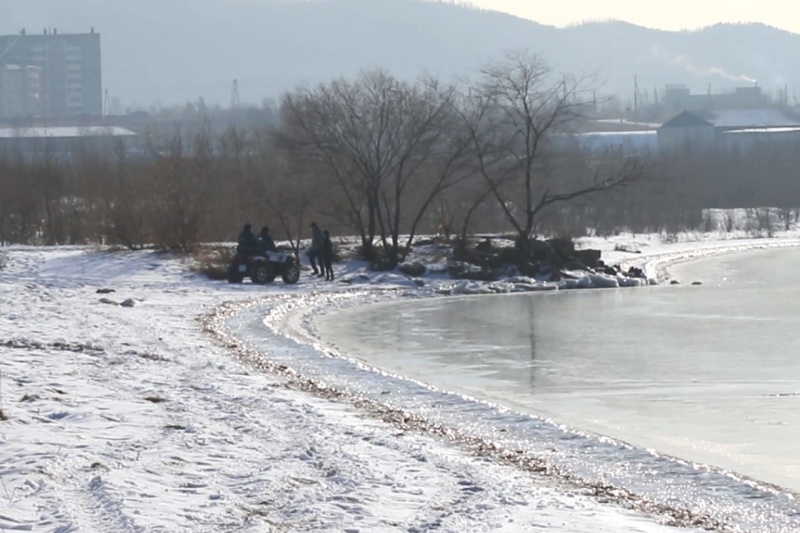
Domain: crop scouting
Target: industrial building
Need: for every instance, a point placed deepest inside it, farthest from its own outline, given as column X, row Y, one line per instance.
column 61, row 75
column 66, row 141
column 729, row 129
column 635, row 142
column 678, row 97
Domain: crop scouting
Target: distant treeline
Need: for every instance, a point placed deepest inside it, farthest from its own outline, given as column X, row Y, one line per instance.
column 385, row 160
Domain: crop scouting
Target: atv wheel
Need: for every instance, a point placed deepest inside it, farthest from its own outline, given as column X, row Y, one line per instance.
column 234, row 276
column 291, row 273
column 262, row 275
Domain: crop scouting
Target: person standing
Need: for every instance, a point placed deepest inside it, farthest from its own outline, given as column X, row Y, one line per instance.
column 327, row 255
column 315, row 251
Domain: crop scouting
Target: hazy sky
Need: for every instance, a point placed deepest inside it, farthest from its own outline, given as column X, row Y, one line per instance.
column 664, row 14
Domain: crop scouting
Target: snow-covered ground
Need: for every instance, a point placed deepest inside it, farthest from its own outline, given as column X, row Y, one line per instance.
column 135, row 418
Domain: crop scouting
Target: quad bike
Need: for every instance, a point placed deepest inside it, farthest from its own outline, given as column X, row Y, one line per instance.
column 264, row 268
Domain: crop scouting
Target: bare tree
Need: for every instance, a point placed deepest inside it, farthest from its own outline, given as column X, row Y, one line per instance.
column 384, row 143
column 516, row 116
column 285, row 185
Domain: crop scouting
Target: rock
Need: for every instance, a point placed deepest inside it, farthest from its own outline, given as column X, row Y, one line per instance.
column 468, row 271
column 634, row 272
column 588, row 257
column 128, row 303
column 419, row 283
column 485, row 246
column 104, row 291
column 574, row 264
column 413, row 270
column 542, row 251
column 674, row 282
column 564, row 248
column 107, row 301
column 697, row 283
column 609, row 271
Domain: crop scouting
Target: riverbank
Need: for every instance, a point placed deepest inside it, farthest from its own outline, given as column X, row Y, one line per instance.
column 131, row 418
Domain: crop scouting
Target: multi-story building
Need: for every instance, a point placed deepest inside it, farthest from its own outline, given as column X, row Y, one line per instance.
column 71, row 75
column 20, row 90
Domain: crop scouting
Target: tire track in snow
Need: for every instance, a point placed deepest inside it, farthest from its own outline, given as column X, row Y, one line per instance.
column 89, row 506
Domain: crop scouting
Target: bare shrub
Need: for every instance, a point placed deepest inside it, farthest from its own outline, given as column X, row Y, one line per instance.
column 212, row 261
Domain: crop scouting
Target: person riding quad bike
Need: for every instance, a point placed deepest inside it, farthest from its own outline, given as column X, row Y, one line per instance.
column 248, row 243
column 265, row 242
column 259, row 259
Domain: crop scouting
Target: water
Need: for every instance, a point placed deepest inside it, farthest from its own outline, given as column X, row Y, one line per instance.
column 708, row 373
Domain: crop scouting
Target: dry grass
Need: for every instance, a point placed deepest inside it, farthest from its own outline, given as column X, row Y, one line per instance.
column 212, row 260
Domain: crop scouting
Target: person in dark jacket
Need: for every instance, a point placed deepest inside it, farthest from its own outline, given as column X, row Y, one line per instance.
column 265, row 241
column 327, row 255
column 315, row 251
column 248, row 244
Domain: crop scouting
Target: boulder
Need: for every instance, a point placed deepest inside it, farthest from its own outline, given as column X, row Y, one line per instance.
column 609, row 271
column 413, row 270
column 485, row 246
column 468, row 271
column 588, row 257
column 541, row 251
column 634, row 272
column 574, row 264
column 128, row 303
column 562, row 247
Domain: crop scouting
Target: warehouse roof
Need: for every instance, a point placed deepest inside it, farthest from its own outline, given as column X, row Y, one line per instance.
column 736, row 119
column 65, row 132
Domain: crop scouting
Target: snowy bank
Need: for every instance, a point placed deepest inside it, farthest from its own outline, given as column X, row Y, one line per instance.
column 132, row 418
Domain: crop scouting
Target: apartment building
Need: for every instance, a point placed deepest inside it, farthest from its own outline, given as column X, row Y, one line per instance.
column 69, row 67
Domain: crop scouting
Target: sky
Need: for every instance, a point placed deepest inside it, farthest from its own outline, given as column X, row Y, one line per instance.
column 667, row 15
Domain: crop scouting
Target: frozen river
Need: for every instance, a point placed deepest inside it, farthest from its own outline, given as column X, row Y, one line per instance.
column 707, row 373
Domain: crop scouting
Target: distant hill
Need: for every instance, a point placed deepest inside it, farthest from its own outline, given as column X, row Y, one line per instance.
column 170, row 52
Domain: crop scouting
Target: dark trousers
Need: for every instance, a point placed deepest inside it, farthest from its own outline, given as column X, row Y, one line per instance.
column 328, row 268
column 314, row 258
